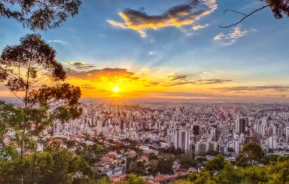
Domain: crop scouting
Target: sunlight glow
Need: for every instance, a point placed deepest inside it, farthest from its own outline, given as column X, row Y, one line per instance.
column 116, row 89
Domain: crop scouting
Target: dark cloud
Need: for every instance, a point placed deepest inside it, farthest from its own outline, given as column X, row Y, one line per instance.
column 108, row 73
column 176, row 16
column 80, row 66
column 212, row 81
column 179, row 83
column 178, row 77
column 278, row 88
column 184, row 79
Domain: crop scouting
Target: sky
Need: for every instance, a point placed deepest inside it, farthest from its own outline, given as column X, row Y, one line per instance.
column 169, row 49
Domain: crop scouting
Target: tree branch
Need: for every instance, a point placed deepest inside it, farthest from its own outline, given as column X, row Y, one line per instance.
column 245, row 16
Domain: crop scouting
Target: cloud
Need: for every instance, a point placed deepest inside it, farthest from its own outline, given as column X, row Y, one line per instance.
column 178, row 77
column 232, row 37
column 179, row 83
column 277, row 88
column 212, row 81
column 151, row 53
column 176, row 16
column 58, row 41
column 80, row 66
column 151, row 83
column 111, row 74
column 183, row 79
column 197, row 27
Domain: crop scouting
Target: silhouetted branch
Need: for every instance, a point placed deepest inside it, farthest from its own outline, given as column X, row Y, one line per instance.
column 245, row 16
column 235, row 12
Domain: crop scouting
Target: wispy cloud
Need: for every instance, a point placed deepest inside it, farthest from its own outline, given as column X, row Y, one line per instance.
column 176, row 16
column 212, row 81
column 278, row 88
column 232, row 36
column 58, row 41
column 151, row 53
column 97, row 75
column 184, row 79
column 197, row 27
column 178, row 77
column 80, row 66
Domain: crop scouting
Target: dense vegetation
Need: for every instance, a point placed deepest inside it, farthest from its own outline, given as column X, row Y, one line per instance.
column 219, row 171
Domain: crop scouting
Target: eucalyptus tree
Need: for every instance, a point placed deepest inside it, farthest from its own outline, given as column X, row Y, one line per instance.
column 30, row 72
column 39, row 14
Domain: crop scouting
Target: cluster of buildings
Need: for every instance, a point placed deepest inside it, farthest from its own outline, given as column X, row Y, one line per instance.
column 199, row 128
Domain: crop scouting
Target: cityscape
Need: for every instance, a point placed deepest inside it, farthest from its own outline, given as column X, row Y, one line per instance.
column 144, row 92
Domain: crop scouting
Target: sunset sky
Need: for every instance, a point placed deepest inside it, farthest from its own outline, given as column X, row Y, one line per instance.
column 169, row 49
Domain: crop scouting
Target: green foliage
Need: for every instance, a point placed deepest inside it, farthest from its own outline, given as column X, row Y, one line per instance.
column 256, row 174
column 187, row 161
column 152, row 169
column 54, row 165
column 229, row 175
column 104, row 180
column 26, row 68
column 251, row 152
column 216, row 164
column 165, row 164
column 279, row 8
column 137, row 168
column 133, row 179
column 91, row 153
column 152, row 156
column 274, row 172
column 10, row 118
column 39, row 14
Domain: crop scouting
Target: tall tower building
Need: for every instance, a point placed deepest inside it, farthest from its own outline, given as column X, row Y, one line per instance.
column 241, row 124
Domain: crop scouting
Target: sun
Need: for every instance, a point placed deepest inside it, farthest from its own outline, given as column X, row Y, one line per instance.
column 116, row 89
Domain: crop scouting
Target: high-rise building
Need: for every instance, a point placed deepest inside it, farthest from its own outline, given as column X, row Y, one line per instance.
column 241, row 124
column 180, row 139
column 196, row 129
column 287, row 134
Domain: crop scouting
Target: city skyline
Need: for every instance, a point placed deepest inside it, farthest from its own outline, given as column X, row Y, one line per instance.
column 169, row 50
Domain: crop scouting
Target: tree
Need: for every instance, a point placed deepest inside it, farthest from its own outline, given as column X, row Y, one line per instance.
column 58, row 165
column 205, row 177
column 138, row 168
column 256, row 174
column 278, row 7
column 53, row 165
column 187, row 161
column 279, row 172
column 242, row 161
column 133, row 179
column 165, row 164
column 251, row 152
column 10, row 117
column 153, row 156
column 39, row 14
column 152, row 169
column 229, row 175
column 216, row 164
column 104, row 180
column 24, row 69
